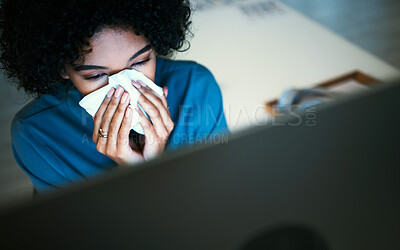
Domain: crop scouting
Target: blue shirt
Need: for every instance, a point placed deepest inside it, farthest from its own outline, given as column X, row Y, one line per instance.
column 52, row 135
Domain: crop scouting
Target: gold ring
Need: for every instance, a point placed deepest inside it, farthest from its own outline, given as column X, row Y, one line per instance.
column 103, row 133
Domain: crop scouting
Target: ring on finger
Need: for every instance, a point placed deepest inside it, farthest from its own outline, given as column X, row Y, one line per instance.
column 103, row 133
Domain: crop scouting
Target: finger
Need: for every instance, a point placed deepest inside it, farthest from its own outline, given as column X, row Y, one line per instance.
column 165, row 90
column 148, row 128
column 123, row 133
column 164, row 112
column 162, row 109
column 155, row 116
column 115, row 125
column 99, row 115
column 163, row 98
column 107, row 117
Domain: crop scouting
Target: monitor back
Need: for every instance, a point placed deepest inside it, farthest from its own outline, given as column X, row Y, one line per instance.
column 329, row 180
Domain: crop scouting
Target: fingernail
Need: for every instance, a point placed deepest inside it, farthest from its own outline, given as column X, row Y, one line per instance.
column 110, row 92
column 124, row 97
column 136, row 85
column 128, row 112
column 144, row 85
column 119, row 91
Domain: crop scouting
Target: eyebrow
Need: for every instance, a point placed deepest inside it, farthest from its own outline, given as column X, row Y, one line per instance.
column 90, row 67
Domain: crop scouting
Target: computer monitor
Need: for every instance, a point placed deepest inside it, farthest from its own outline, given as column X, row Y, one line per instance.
column 330, row 180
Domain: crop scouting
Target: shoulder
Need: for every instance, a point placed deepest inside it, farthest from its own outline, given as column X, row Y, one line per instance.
column 196, row 102
column 194, row 78
column 26, row 120
column 44, row 104
column 165, row 66
column 182, row 68
column 40, row 114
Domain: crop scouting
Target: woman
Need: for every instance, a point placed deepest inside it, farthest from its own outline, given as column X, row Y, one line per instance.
column 61, row 51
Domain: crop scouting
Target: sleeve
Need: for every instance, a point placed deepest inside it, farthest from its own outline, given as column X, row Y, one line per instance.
column 36, row 159
column 212, row 122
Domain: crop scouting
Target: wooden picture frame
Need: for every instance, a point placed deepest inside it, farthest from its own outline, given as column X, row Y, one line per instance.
column 358, row 76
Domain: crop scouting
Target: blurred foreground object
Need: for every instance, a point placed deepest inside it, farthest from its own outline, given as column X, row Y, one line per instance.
column 329, row 180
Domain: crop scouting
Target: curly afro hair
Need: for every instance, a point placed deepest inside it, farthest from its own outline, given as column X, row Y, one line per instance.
column 40, row 37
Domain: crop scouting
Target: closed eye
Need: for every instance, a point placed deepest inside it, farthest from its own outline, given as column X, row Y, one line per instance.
column 134, row 65
column 140, row 63
column 96, row 77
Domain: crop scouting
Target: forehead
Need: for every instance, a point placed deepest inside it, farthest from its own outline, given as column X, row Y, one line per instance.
column 110, row 45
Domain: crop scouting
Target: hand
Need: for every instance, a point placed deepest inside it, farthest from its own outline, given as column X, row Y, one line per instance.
column 158, row 130
column 114, row 117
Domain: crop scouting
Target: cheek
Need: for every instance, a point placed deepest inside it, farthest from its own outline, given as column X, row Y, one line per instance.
column 86, row 88
column 83, row 86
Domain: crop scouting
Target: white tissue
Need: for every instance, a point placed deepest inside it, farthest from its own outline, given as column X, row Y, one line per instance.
column 92, row 102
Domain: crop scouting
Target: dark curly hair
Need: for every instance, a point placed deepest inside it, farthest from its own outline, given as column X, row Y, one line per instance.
column 40, row 37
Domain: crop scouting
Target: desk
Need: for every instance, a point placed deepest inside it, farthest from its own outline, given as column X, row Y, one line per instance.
column 255, row 55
